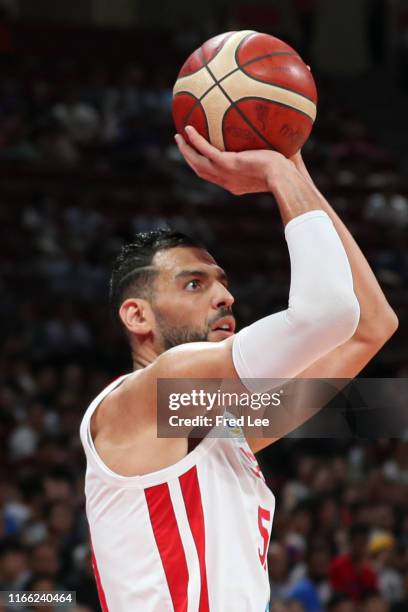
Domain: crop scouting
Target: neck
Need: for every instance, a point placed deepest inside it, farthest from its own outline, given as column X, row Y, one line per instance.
column 143, row 356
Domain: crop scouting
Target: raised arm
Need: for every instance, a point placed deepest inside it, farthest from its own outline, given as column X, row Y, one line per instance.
column 323, row 310
column 378, row 322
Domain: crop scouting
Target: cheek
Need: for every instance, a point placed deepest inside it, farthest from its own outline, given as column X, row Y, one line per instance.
column 182, row 305
column 184, row 309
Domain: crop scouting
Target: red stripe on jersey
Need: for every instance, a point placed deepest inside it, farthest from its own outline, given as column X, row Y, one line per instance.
column 101, row 592
column 168, row 540
column 190, row 488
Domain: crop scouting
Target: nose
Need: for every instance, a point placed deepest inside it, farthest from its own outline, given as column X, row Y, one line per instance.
column 222, row 297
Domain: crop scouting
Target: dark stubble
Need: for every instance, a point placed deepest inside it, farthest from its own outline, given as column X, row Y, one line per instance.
column 182, row 334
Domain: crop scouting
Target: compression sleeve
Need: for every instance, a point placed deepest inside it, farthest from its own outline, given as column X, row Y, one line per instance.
column 323, row 311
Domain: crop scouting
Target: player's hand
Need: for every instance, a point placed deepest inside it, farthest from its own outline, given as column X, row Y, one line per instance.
column 239, row 173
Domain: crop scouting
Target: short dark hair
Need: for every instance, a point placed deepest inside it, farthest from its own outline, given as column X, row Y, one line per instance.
column 132, row 271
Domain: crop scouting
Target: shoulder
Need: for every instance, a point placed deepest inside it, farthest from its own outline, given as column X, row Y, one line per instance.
column 135, row 400
column 196, row 360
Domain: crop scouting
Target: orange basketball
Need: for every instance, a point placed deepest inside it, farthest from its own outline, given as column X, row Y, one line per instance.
column 246, row 90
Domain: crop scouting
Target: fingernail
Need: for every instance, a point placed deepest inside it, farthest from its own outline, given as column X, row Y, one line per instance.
column 189, row 128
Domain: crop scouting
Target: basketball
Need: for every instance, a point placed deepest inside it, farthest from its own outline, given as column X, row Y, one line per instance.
column 246, row 90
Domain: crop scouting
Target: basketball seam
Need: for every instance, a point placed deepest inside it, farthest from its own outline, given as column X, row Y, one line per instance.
column 217, row 83
column 251, row 76
column 240, row 67
column 202, row 58
column 225, row 40
column 278, row 103
column 193, row 72
column 248, row 63
column 248, row 123
column 239, row 46
column 262, row 57
column 233, row 104
column 253, row 61
column 196, row 104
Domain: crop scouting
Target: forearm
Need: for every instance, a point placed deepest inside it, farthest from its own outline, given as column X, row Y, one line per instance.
column 322, row 312
column 294, row 193
column 377, row 318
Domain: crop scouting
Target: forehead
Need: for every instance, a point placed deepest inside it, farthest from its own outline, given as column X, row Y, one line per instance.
column 173, row 261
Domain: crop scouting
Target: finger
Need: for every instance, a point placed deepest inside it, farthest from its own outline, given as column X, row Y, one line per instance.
column 202, row 145
column 198, row 162
column 203, row 172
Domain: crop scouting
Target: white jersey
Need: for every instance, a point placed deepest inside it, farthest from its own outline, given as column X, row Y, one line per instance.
column 192, row 537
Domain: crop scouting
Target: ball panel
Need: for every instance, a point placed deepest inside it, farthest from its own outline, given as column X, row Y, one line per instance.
column 224, row 62
column 239, row 85
column 283, row 127
column 259, row 45
column 238, row 135
column 187, row 110
column 215, row 105
column 198, row 83
column 212, row 46
column 192, row 64
column 286, row 71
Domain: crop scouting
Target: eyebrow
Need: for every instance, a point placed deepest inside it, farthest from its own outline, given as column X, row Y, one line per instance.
column 200, row 273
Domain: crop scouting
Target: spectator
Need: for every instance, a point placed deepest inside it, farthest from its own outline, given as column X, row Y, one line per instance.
column 312, row 590
column 372, row 601
column 341, row 603
column 382, row 553
column 300, row 528
column 278, row 564
column 350, row 572
column 25, row 438
column 14, row 569
column 44, row 560
column 402, row 605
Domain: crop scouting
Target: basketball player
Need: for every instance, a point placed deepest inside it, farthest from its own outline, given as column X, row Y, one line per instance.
column 174, row 529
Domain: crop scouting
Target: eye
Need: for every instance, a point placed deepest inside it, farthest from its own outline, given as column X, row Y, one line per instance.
column 193, row 284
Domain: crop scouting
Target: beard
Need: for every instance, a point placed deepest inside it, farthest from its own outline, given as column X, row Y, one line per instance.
column 172, row 336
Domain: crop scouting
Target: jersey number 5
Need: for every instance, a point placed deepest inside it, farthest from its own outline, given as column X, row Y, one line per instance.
column 264, row 516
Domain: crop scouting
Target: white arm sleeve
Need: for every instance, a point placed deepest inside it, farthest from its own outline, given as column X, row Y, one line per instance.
column 323, row 311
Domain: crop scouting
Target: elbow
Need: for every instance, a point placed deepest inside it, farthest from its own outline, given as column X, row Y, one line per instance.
column 342, row 317
column 379, row 329
column 334, row 316
column 388, row 323
column 391, row 324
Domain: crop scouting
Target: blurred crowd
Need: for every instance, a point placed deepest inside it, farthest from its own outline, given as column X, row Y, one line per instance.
column 87, row 160
column 340, row 533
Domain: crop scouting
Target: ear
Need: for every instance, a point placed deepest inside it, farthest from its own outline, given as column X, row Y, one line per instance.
column 137, row 316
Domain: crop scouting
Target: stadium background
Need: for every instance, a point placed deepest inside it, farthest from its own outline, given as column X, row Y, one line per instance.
column 87, row 159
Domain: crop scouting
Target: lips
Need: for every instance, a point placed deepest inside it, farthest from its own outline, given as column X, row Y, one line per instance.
column 225, row 324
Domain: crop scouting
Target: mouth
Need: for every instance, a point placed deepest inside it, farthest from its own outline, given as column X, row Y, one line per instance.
column 224, row 326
